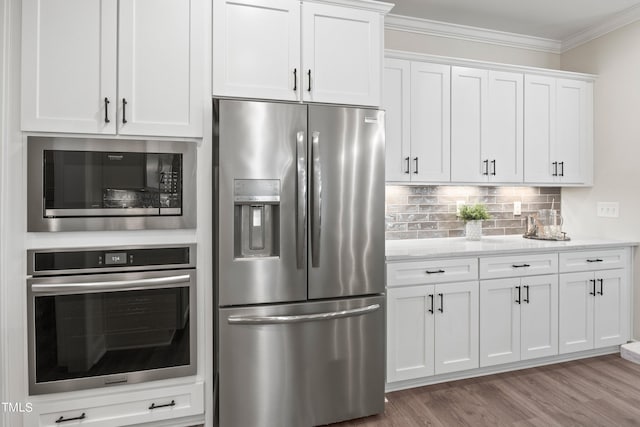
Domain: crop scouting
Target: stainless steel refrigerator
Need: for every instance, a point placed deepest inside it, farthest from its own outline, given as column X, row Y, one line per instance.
column 299, row 263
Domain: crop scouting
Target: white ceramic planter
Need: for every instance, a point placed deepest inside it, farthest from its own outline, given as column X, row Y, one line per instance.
column 473, row 229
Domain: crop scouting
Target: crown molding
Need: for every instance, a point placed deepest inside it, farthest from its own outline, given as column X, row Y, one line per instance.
column 619, row 20
column 468, row 33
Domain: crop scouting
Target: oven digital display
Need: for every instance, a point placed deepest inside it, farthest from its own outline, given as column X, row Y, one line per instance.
column 115, row 258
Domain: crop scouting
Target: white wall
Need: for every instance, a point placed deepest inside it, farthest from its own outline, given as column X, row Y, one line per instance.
column 434, row 45
column 615, row 57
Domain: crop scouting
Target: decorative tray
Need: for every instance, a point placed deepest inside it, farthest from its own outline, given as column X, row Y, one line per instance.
column 555, row 239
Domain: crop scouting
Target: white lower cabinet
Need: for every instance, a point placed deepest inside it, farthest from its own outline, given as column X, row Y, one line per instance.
column 518, row 319
column 431, row 329
column 130, row 408
column 594, row 309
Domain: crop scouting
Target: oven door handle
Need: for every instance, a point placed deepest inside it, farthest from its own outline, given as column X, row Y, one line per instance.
column 116, row 285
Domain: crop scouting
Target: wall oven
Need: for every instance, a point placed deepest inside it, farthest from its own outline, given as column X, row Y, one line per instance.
column 108, row 316
column 101, row 184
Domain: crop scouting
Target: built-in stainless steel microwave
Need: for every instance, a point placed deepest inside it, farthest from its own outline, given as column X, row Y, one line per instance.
column 79, row 184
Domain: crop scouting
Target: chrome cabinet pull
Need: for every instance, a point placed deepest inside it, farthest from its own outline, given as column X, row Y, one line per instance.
column 301, row 198
column 272, row 320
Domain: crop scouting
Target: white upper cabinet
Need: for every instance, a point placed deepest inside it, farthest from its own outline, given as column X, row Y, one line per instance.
column 72, row 66
column 417, row 100
column 430, row 122
column 396, row 100
column 160, row 68
column 304, row 51
column 69, row 65
column 558, row 137
column 486, row 126
column 256, row 46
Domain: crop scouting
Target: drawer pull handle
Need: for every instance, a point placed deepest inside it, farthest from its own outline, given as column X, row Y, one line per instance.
column 441, row 309
column 431, row 309
column 64, row 420
column 154, row 406
column 594, row 260
column 601, row 287
column 519, row 294
column 526, row 287
column 520, row 265
column 593, row 282
column 434, row 271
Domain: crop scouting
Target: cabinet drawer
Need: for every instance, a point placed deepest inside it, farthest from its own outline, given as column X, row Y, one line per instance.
column 592, row 260
column 433, row 271
column 113, row 410
column 518, row 265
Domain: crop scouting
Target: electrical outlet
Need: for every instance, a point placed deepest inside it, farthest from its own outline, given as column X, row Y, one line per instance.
column 459, row 205
column 608, row 209
column 517, row 207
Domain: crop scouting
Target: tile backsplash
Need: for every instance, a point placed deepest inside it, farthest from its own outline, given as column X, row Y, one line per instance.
column 419, row 212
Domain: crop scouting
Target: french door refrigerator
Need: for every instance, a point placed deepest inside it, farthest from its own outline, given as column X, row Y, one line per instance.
column 299, row 263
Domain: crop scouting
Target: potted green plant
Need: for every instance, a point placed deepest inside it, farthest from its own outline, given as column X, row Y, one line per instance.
column 473, row 217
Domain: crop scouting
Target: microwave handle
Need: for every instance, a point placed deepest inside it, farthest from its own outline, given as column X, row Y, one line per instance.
column 116, row 285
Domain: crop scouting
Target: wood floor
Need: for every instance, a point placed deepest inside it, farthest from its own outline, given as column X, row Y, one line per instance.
column 600, row 391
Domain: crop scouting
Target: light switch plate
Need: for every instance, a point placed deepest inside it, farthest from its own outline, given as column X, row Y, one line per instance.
column 517, row 207
column 608, row 209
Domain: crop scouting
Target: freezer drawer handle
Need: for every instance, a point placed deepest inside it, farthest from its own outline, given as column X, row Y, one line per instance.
column 266, row 320
column 120, row 285
column 64, row 420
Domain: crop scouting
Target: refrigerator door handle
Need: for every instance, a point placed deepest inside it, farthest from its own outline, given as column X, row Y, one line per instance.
column 316, row 202
column 274, row 320
column 301, row 198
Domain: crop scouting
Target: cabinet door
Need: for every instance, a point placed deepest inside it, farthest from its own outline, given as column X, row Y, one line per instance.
column 499, row 321
column 160, row 68
column 575, row 322
column 69, row 65
column 469, row 125
column 503, row 145
column 611, row 316
column 572, row 125
column 341, row 54
column 410, row 338
column 539, row 317
column 456, row 327
column 539, row 128
column 430, row 122
column 396, row 101
column 256, row 49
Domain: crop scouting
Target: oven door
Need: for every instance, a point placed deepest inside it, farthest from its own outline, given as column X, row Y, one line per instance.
column 96, row 330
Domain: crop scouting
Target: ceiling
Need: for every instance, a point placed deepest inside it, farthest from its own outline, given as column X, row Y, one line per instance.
column 551, row 19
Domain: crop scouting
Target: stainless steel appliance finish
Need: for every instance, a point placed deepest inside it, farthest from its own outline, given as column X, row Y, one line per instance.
column 299, row 262
column 302, row 364
column 91, row 326
column 147, row 196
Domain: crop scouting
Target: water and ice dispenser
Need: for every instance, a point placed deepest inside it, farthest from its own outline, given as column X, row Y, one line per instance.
column 256, row 218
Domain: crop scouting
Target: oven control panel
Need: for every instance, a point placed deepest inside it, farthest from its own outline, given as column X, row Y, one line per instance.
column 70, row 261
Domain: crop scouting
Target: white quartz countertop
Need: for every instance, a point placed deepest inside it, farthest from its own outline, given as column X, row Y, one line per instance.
column 414, row 249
